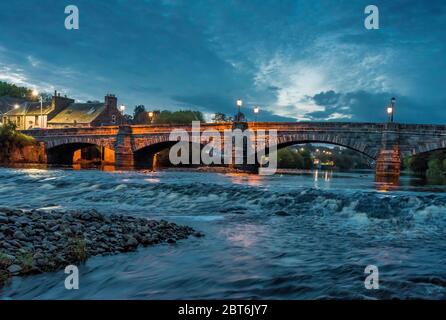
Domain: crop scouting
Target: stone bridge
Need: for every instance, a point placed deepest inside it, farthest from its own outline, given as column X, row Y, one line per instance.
column 385, row 143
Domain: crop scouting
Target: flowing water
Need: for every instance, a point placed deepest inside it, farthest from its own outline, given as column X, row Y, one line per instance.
column 302, row 236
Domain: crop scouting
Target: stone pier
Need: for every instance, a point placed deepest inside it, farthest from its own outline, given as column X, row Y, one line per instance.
column 124, row 156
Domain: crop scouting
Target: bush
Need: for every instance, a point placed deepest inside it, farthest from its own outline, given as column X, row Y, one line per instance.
column 11, row 139
column 77, row 250
column 287, row 158
column 417, row 164
column 434, row 168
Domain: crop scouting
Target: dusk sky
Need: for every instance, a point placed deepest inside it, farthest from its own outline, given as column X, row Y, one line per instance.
column 297, row 59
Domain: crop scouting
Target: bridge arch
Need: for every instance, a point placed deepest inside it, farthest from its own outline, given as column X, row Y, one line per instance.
column 73, row 152
column 370, row 151
column 91, row 140
column 146, row 156
column 423, row 148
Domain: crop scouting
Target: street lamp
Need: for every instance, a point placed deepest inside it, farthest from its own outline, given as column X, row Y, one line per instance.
column 35, row 93
column 150, row 116
column 122, row 109
column 239, row 105
column 16, row 106
column 390, row 109
column 256, row 112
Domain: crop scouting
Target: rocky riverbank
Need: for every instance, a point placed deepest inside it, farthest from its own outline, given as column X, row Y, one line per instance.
column 37, row 241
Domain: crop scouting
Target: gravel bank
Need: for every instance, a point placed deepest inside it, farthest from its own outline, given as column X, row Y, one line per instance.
column 37, row 241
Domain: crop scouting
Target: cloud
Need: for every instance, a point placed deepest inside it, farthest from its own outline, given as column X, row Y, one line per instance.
column 286, row 56
column 211, row 103
column 364, row 106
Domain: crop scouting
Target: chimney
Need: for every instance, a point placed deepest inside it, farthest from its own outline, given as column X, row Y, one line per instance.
column 111, row 101
column 59, row 103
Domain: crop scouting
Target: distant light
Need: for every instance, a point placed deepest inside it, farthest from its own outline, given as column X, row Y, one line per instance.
column 122, row 108
column 16, row 106
column 35, row 93
column 389, row 110
column 239, row 102
column 256, row 110
column 150, row 114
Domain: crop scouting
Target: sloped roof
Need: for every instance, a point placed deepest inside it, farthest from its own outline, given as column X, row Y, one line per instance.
column 79, row 113
column 34, row 108
column 7, row 103
column 30, row 109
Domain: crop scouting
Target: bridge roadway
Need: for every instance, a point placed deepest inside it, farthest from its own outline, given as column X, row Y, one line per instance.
column 385, row 143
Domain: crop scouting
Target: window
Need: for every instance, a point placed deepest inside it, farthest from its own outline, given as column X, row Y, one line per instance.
column 113, row 118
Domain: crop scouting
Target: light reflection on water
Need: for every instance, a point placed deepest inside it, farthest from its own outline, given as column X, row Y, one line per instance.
column 331, row 225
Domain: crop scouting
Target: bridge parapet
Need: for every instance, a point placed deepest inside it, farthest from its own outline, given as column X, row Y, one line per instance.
column 91, row 131
column 369, row 138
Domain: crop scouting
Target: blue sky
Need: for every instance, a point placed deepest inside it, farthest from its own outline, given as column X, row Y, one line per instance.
column 297, row 59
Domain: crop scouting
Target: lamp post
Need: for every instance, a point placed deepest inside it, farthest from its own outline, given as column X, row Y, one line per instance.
column 150, row 116
column 239, row 105
column 256, row 112
column 122, row 109
column 390, row 109
column 35, row 93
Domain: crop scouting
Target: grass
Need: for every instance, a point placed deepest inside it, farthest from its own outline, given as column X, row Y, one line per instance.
column 77, row 250
column 25, row 260
column 5, row 262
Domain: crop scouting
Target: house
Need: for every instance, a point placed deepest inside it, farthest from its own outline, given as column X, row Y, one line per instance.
column 29, row 115
column 7, row 103
column 90, row 114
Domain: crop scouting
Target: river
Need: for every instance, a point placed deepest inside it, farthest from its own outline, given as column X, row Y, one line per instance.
column 303, row 236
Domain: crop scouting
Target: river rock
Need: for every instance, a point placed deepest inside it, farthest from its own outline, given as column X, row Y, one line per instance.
column 14, row 269
column 36, row 241
column 19, row 235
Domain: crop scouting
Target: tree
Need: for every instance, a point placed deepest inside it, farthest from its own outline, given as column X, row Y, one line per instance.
column 46, row 97
column 220, row 117
column 434, row 168
column 307, row 159
column 343, row 161
column 178, row 117
column 140, row 115
column 417, row 164
column 7, row 89
column 128, row 119
column 289, row 158
column 11, row 90
column 240, row 116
